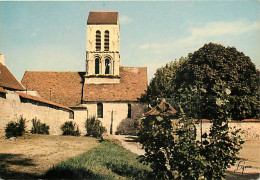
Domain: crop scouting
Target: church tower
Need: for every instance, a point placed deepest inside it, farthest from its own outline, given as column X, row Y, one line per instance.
column 102, row 53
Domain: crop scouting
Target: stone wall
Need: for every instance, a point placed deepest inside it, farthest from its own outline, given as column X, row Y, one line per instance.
column 11, row 108
column 251, row 129
column 80, row 117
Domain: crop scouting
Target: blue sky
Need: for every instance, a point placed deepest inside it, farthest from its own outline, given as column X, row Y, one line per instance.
column 51, row 36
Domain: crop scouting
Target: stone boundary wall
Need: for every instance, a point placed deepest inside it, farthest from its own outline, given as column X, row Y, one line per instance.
column 11, row 108
column 251, row 128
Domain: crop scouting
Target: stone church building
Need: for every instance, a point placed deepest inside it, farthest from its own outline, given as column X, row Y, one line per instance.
column 106, row 90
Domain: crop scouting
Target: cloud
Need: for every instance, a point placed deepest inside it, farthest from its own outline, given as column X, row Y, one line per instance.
column 125, row 19
column 210, row 31
column 223, row 28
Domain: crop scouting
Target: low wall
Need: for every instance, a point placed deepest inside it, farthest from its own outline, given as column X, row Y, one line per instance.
column 251, row 129
column 11, row 108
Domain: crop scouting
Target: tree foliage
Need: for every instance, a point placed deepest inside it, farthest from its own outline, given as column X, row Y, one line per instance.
column 213, row 63
column 203, row 69
column 173, row 149
column 161, row 86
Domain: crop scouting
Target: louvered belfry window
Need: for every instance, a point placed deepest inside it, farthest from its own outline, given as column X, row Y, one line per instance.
column 107, row 66
column 97, row 62
column 106, row 41
column 98, row 41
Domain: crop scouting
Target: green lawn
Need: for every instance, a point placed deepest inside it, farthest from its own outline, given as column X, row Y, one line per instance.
column 107, row 161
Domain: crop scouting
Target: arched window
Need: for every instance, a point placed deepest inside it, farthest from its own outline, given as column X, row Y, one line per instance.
column 106, row 41
column 129, row 114
column 107, row 66
column 99, row 110
column 97, row 64
column 98, row 41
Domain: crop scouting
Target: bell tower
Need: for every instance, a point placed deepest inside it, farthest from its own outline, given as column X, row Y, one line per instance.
column 102, row 53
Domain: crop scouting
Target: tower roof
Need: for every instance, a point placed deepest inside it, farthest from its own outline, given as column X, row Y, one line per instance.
column 102, row 17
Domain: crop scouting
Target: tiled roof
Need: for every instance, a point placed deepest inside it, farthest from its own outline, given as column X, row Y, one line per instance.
column 161, row 109
column 60, row 87
column 133, row 83
column 38, row 99
column 8, row 80
column 2, row 90
column 102, row 17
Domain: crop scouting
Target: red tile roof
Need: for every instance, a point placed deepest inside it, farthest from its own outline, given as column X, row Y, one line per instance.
column 60, row 87
column 2, row 90
column 133, row 83
column 8, row 80
column 39, row 99
column 161, row 109
column 102, row 17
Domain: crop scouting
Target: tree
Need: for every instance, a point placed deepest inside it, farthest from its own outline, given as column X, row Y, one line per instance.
column 161, row 86
column 173, row 149
column 213, row 63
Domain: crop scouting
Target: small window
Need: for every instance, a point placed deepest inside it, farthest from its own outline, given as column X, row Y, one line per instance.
column 98, row 41
column 2, row 95
column 97, row 63
column 129, row 114
column 71, row 116
column 108, row 66
column 99, row 110
column 106, row 41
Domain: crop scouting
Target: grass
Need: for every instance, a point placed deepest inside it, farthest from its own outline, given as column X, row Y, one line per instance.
column 107, row 161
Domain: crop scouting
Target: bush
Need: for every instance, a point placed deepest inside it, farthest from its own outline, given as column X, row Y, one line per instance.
column 94, row 127
column 69, row 129
column 14, row 129
column 38, row 127
column 127, row 127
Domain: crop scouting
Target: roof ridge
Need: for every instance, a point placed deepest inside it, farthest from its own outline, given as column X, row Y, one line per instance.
column 56, row 71
column 103, row 11
column 133, row 66
column 40, row 99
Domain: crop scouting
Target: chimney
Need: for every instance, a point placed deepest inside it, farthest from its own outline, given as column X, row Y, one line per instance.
column 2, row 59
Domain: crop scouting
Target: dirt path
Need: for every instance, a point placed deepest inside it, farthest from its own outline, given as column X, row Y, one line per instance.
column 250, row 154
column 31, row 155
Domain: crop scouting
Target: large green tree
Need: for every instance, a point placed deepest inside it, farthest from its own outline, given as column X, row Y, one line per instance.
column 203, row 69
column 214, row 63
column 161, row 85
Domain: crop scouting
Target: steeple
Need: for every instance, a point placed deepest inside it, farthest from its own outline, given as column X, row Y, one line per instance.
column 102, row 53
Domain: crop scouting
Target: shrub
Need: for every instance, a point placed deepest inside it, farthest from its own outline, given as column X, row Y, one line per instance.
column 14, row 129
column 69, row 129
column 94, row 127
column 38, row 127
column 127, row 127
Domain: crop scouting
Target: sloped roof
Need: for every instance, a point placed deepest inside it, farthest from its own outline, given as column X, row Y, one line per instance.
column 133, row 83
column 60, row 87
column 2, row 90
column 102, row 17
column 42, row 100
column 161, row 109
column 8, row 80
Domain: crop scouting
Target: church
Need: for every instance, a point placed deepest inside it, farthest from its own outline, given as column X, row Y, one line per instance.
column 106, row 90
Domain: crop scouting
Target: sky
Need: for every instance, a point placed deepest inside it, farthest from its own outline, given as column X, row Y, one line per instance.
column 51, row 36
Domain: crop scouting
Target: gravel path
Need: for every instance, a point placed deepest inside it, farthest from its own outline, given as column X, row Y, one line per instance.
column 130, row 143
